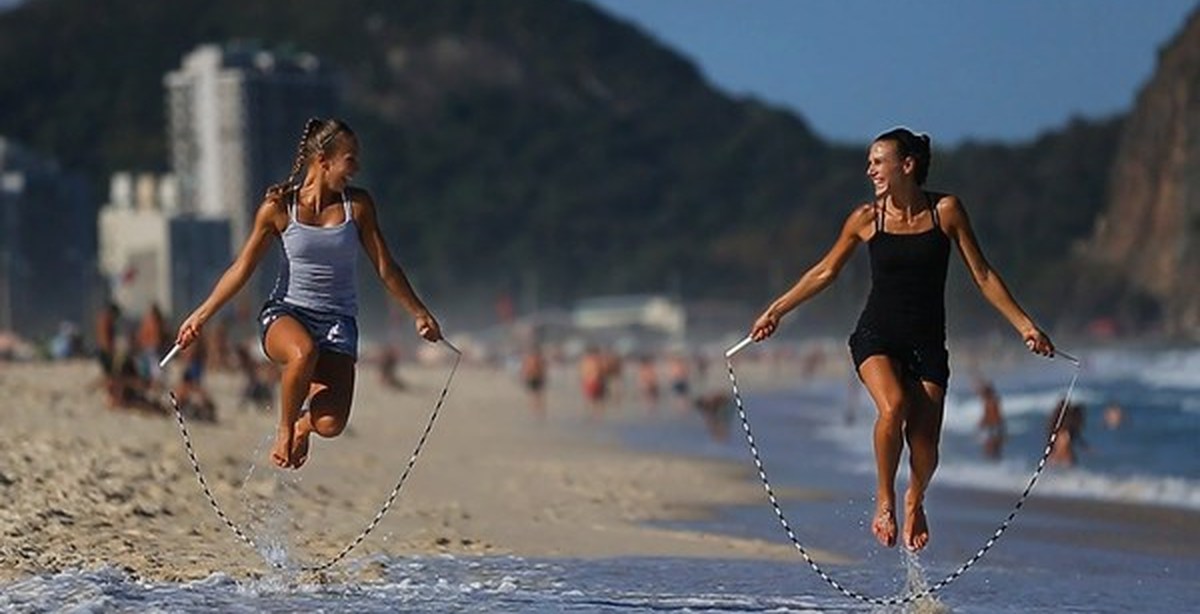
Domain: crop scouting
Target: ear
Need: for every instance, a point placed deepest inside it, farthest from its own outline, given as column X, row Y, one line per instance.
column 909, row 165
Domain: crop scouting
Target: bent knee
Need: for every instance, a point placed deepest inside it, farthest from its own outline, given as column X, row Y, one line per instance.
column 329, row 426
column 297, row 356
column 305, row 354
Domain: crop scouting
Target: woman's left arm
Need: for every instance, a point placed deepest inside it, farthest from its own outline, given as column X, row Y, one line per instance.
column 957, row 226
column 389, row 272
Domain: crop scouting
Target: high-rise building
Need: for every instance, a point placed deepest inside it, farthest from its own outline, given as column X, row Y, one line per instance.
column 47, row 243
column 235, row 113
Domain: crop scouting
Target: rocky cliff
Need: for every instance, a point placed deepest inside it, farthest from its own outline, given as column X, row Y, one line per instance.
column 1149, row 233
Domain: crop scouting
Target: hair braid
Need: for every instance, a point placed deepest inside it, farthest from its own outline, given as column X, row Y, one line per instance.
column 302, row 154
column 318, row 138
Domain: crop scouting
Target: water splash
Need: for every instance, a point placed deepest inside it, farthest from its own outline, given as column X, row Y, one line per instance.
column 915, row 582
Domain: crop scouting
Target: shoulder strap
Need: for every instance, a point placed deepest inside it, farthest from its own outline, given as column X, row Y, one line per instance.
column 346, row 205
column 293, row 203
column 878, row 216
column 929, row 197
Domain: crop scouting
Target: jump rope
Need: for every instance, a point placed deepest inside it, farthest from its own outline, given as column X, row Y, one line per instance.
column 762, row 474
column 915, row 595
column 383, row 509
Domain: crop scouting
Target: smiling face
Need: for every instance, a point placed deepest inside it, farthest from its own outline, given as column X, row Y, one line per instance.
column 887, row 171
column 340, row 164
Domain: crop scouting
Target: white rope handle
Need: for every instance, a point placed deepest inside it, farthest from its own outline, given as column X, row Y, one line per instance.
column 739, row 346
column 165, row 359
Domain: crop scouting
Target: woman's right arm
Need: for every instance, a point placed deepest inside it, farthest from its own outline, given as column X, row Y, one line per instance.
column 817, row 278
column 265, row 228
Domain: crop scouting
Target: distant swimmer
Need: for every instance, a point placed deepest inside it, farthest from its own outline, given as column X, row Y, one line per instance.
column 308, row 325
column 1070, row 433
column 991, row 422
column 1114, row 416
column 899, row 345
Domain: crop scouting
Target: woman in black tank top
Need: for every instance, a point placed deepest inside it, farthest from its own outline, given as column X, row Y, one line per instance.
column 899, row 344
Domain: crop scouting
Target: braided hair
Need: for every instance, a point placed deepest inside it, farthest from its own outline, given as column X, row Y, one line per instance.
column 317, row 138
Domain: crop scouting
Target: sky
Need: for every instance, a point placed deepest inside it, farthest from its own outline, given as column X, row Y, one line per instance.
column 957, row 69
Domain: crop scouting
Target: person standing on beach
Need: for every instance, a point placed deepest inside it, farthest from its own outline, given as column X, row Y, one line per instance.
column 899, row 345
column 108, row 322
column 592, row 380
column 533, row 374
column 647, row 374
column 151, row 343
column 308, row 325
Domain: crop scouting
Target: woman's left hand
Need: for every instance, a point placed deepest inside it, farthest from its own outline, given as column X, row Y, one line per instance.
column 428, row 327
column 1038, row 342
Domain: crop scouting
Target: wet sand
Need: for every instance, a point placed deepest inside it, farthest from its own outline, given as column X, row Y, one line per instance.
column 86, row 487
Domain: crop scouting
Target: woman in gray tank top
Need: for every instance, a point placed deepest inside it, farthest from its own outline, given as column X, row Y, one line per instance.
column 308, row 325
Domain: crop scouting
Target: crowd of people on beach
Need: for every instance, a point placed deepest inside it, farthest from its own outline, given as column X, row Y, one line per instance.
column 668, row 380
column 128, row 346
column 601, row 375
column 128, row 351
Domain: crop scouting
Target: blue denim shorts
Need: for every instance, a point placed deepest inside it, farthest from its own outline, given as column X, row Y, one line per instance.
column 331, row 332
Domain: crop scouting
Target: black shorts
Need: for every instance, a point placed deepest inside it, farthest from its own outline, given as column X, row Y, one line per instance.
column 919, row 360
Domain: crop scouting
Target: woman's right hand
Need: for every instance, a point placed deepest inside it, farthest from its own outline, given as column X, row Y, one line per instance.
column 189, row 331
column 764, row 326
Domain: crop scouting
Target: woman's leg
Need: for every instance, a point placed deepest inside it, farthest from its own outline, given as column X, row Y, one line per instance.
column 880, row 375
column 289, row 345
column 923, row 431
column 331, row 393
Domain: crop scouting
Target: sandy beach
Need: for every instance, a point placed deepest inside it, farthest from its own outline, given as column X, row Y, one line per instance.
column 87, row 487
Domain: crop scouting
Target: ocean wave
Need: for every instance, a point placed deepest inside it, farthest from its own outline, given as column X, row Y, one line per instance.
column 1176, row 368
column 1012, row 476
column 963, row 411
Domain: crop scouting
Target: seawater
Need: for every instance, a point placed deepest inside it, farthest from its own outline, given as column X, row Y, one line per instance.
column 809, row 438
column 494, row 584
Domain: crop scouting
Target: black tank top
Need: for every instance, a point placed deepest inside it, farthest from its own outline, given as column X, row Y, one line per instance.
column 908, row 282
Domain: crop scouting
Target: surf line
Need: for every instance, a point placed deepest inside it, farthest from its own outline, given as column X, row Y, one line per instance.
column 387, row 504
column 915, row 595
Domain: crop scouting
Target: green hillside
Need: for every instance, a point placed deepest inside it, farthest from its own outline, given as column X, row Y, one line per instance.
column 537, row 140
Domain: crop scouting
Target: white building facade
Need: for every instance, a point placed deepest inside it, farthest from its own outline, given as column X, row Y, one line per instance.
column 235, row 113
column 151, row 253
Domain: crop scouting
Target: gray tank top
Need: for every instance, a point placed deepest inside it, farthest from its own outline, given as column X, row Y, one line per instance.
column 318, row 267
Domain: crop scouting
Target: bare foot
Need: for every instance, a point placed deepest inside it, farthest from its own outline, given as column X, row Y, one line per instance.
column 300, row 442
column 281, row 452
column 884, row 525
column 916, row 527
